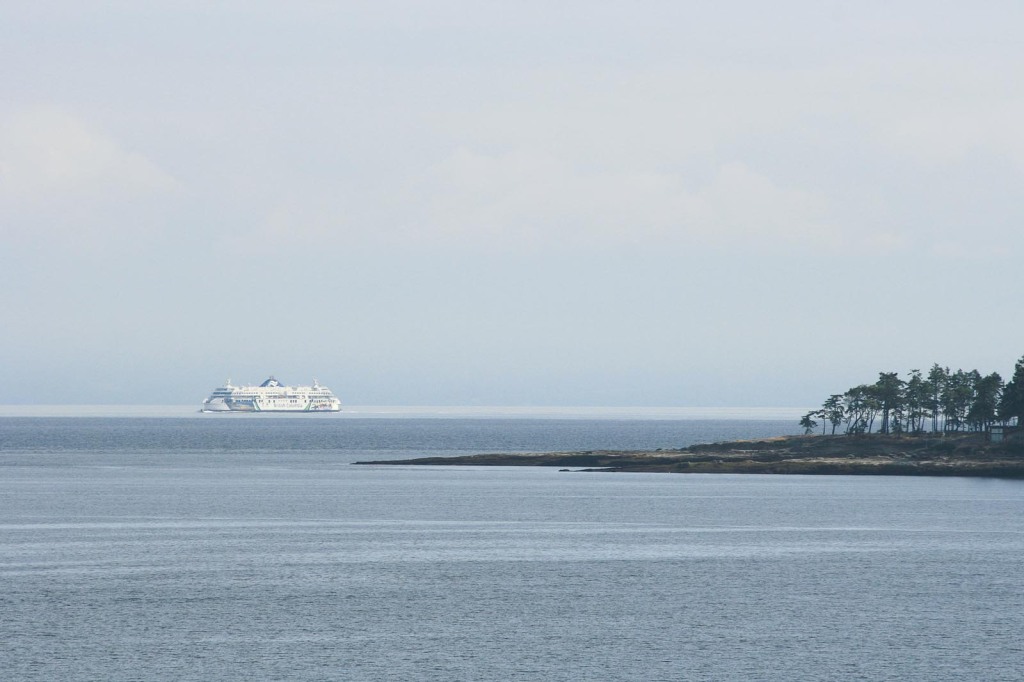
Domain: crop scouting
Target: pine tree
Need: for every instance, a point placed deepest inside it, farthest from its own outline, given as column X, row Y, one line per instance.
column 1011, row 406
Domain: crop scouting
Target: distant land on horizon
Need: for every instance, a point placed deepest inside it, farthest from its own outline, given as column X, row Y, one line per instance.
column 783, row 414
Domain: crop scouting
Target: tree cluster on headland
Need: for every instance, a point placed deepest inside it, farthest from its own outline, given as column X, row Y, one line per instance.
column 924, row 425
column 945, row 411
column 940, row 401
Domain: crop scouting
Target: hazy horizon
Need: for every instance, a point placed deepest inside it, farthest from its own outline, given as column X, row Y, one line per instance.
column 789, row 415
column 454, row 203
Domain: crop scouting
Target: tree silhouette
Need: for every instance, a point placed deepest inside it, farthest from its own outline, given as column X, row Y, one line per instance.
column 832, row 410
column 889, row 392
column 938, row 377
column 1011, row 406
column 951, row 401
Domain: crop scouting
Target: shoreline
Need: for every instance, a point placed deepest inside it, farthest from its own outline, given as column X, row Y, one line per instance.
column 871, row 455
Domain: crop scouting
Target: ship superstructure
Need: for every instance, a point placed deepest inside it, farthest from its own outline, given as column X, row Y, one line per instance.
column 272, row 396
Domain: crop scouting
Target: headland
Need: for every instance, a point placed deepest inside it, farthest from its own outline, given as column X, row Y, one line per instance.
column 951, row 454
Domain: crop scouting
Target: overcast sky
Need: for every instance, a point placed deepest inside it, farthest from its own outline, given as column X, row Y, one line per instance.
column 507, row 203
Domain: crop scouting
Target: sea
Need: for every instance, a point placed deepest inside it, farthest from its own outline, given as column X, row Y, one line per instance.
column 158, row 543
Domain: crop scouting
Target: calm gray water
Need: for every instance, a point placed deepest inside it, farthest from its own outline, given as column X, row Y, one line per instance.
column 223, row 549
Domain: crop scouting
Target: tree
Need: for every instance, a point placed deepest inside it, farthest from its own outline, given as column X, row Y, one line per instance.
column 984, row 409
column 1011, row 405
column 808, row 423
column 833, row 410
column 917, row 395
column 888, row 391
column 938, row 377
column 957, row 398
column 861, row 408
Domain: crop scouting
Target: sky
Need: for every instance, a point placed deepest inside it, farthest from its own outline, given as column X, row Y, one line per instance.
column 596, row 203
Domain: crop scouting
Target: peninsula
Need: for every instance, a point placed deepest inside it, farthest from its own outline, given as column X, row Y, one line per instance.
column 964, row 454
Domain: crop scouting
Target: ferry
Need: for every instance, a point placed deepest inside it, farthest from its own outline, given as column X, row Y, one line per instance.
column 271, row 396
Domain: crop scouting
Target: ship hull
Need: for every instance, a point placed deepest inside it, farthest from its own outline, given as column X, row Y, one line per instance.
column 215, row 405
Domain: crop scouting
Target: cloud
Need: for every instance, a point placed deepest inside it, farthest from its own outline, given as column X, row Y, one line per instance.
column 47, row 154
column 954, row 251
column 942, row 111
column 524, row 197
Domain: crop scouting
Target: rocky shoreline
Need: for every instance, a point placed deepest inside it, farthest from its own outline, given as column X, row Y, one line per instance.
column 878, row 455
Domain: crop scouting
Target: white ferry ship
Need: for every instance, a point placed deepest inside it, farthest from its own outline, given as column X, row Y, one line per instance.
column 272, row 396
